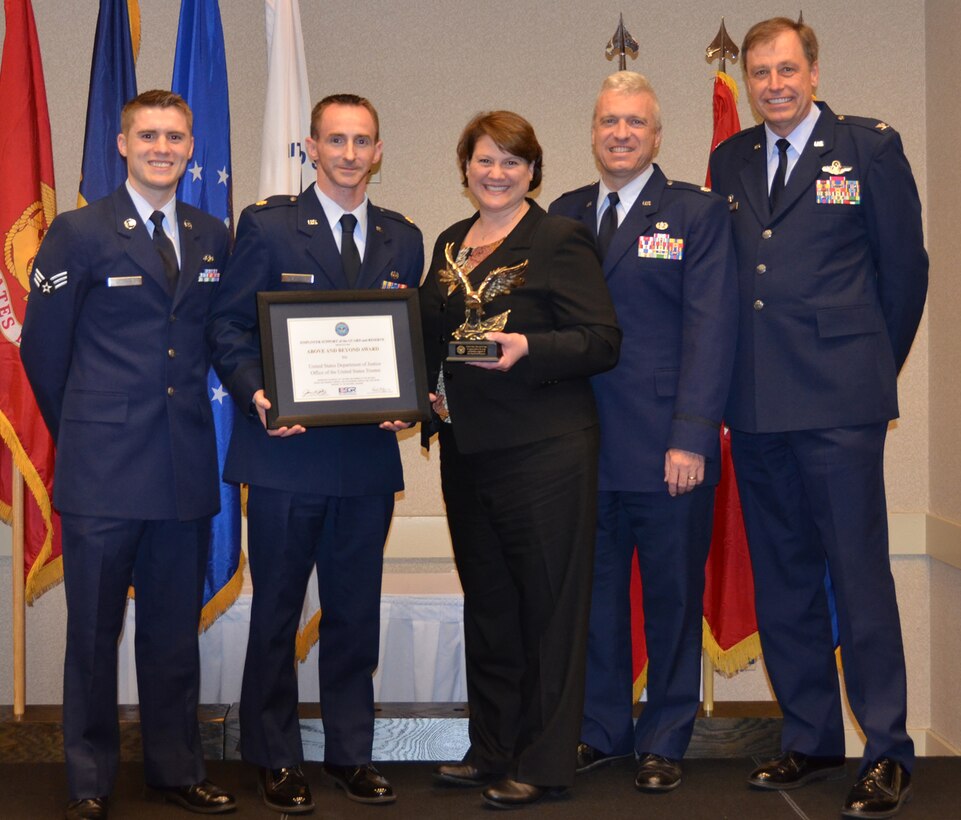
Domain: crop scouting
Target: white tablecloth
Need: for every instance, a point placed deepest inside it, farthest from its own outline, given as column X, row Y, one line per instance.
column 421, row 648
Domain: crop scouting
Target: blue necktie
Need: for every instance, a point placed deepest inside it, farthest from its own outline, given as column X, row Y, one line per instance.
column 349, row 254
column 777, row 187
column 166, row 250
column 608, row 226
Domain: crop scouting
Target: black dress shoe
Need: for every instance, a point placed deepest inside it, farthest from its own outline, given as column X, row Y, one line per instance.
column 203, row 797
column 512, row 794
column 657, row 774
column 881, row 791
column 363, row 784
column 793, row 770
column 90, row 808
column 462, row 774
column 285, row 790
column 589, row 758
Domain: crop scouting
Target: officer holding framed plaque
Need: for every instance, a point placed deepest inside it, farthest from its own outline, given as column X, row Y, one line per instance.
column 322, row 496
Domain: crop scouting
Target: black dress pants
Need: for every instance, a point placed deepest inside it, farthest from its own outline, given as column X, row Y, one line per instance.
column 522, row 524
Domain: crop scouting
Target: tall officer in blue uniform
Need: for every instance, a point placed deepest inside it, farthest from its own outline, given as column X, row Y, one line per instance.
column 113, row 345
column 832, row 279
column 670, row 270
column 322, row 496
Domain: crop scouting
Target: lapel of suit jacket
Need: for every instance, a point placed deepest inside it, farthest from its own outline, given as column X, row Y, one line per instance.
column 517, row 243
column 588, row 208
column 378, row 249
column 754, row 175
column 637, row 222
column 138, row 243
column 189, row 252
column 321, row 247
column 808, row 167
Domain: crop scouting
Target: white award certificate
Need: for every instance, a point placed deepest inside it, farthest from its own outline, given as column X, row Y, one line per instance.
column 337, row 359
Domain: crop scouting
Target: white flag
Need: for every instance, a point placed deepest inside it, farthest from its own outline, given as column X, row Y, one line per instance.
column 284, row 166
column 285, row 169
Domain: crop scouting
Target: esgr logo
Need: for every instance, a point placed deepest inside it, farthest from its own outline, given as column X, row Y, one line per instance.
column 341, row 329
column 346, row 390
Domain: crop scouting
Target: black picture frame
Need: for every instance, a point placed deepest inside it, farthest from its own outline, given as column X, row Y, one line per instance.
column 274, row 309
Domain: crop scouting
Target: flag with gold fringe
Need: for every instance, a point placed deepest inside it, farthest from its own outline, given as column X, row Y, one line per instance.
column 284, row 169
column 28, row 204
column 730, row 636
column 730, row 626
column 726, row 120
column 638, row 641
column 200, row 77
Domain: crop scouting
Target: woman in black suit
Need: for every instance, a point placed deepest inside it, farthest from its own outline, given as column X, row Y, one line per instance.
column 519, row 443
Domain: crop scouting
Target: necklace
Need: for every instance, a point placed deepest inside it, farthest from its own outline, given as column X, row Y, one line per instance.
column 478, row 235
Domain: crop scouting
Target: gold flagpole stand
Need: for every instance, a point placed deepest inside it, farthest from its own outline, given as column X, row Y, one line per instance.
column 708, row 683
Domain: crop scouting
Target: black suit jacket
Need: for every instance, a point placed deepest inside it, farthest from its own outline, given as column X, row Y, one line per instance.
column 565, row 311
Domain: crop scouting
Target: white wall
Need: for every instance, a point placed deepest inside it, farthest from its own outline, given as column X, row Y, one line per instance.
column 428, row 67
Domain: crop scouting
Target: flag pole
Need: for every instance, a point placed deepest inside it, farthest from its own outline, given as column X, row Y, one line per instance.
column 707, row 701
column 19, row 621
column 721, row 48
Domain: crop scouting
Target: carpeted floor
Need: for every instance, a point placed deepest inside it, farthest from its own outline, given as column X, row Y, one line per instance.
column 712, row 790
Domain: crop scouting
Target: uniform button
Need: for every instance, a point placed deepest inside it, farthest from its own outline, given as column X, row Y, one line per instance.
column 767, row 234
column 170, row 391
column 172, row 318
column 758, row 304
column 761, row 269
column 171, row 353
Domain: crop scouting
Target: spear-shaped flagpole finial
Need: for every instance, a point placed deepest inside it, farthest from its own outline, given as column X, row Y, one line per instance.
column 800, row 18
column 621, row 44
column 722, row 48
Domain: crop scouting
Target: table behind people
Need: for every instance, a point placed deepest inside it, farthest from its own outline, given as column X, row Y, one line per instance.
column 113, row 345
column 319, row 497
column 833, row 277
column 518, row 443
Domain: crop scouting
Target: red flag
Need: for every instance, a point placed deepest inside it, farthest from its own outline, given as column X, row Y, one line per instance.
column 638, row 640
column 730, row 625
column 726, row 121
column 28, row 204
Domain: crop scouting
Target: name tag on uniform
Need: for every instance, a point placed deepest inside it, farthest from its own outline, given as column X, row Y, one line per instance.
column 297, row 278
column 124, row 281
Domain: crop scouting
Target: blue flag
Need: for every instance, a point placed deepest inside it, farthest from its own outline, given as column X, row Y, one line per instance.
column 200, row 77
column 113, row 81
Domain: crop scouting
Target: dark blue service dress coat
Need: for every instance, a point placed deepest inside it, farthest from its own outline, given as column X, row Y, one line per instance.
column 323, row 497
column 670, row 271
column 831, row 288
column 119, row 369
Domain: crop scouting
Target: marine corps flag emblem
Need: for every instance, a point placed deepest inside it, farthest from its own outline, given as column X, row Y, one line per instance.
column 27, row 206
